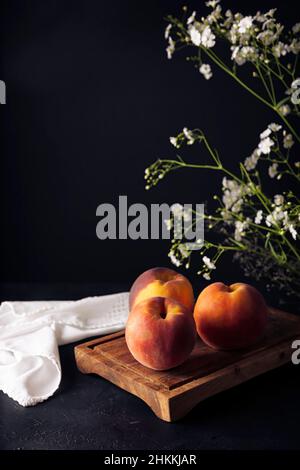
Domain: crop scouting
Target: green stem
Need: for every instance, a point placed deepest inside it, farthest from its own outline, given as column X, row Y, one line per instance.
column 264, row 82
column 288, row 125
column 220, row 64
column 272, row 88
column 295, row 65
column 278, row 76
column 225, row 247
column 191, row 165
column 292, row 172
column 210, row 150
column 291, row 247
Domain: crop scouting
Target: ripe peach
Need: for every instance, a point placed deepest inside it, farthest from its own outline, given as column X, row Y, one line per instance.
column 160, row 333
column 162, row 282
column 230, row 317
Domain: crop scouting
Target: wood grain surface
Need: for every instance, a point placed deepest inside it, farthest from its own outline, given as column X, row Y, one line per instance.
column 172, row 394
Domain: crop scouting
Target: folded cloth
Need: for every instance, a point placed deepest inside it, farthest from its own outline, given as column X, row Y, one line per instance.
column 30, row 333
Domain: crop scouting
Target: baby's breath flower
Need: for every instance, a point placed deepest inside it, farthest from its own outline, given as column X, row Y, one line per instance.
column 168, row 223
column 269, row 220
column 228, row 21
column 288, row 141
column 208, row 263
column 266, row 37
column 157, row 171
column 240, row 228
column 273, row 170
column 174, row 142
column 295, row 91
column 201, row 35
column 296, row 28
column 274, row 127
column 278, row 200
column 293, row 231
column 215, row 15
column 174, row 259
column 191, row 18
column 285, row 109
column 245, row 24
column 187, row 215
column 296, row 83
column 265, row 145
column 278, row 217
column 205, row 69
column 189, row 136
column 167, row 31
column 260, row 17
column 177, row 209
column 271, row 12
column 280, row 49
column 265, row 133
column 294, row 46
column 171, row 48
column 195, row 34
column 206, row 276
column 242, row 54
column 237, row 56
column 258, row 217
column 208, row 38
column 185, row 253
column 212, row 3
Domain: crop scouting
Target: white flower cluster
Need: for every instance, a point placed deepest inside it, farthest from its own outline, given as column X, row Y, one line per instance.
column 252, row 38
column 280, row 217
column 242, row 54
column 252, row 223
column 234, row 202
column 179, row 251
column 233, row 194
column 156, row 172
column 187, row 136
column 208, row 263
column 201, row 35
column 240, row 228
column 208, row 266
column 265, row 146
column 174, row 259
column 181, row 212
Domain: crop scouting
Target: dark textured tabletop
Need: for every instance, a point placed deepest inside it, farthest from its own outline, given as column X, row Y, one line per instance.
column 87, row 412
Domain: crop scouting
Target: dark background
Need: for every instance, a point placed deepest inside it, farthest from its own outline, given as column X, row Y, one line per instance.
column 92, row 101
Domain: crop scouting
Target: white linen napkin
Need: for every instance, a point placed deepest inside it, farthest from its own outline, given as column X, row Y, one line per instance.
column 30, row 333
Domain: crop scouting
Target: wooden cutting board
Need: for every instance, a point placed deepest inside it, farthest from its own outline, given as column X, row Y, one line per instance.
column 172, row 394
